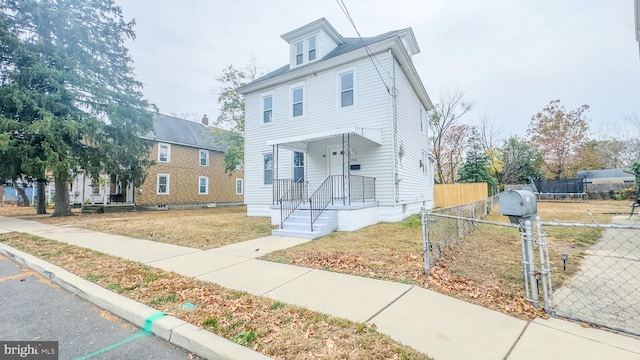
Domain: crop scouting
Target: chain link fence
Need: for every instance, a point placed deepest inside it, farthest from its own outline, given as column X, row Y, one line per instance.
column 586, row 272
column 443, row 228
column 602, row 273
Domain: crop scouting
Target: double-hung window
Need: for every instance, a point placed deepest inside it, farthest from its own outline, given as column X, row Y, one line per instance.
column 163, row 184
column 299, row 53
column 267, row 109
column 297, row 99
column 425, row 163
column 203, row 185
column 164, row 153
column 239, row 187
column 347, row 97
column 204, row 157
column 312, row 48
column 267, row 169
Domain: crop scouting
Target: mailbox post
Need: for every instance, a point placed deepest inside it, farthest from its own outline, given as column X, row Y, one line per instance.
column 521, row 208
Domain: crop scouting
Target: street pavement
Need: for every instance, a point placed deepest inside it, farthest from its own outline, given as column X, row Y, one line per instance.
column 35, row 309
column 438, row 325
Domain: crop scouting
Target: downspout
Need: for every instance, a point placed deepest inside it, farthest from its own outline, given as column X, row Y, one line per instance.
column 395, row 127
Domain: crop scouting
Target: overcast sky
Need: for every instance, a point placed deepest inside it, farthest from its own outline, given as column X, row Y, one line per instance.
column 510, row 58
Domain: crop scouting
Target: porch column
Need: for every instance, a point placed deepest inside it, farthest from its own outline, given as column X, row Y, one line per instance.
column 274, row 184
column 346, row 169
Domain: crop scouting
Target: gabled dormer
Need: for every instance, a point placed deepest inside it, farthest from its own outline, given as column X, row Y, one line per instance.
column 311, row 42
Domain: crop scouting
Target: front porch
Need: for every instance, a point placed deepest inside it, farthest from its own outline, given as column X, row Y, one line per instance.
column 328, row 209
column 339, row 201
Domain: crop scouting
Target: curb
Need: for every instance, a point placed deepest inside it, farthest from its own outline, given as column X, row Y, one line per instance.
column 178, row 332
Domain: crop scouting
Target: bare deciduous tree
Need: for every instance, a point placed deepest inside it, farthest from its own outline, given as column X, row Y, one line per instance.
column 443, row 121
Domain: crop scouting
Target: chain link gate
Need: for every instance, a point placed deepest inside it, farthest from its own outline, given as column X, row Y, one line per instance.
column 603, row 284
column 596, row 278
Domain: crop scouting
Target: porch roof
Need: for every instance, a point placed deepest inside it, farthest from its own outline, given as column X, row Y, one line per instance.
column 300, row 142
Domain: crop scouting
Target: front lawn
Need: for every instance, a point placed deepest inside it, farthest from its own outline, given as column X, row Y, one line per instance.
column 197, row 228
column 485, row 268
column 276, row 329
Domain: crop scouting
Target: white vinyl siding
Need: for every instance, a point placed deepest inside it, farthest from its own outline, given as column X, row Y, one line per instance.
column 163, row 184
column 411, row 116
column 164, row 153
column 322, row 113
column 239, row 187
column 203, row 185
column 204, row 157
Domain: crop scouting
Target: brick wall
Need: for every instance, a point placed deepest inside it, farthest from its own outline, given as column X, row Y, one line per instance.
column 184, row 172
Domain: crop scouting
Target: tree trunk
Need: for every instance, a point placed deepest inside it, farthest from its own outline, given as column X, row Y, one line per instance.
column 42, row 206
column 62, row 207
column 23, row 195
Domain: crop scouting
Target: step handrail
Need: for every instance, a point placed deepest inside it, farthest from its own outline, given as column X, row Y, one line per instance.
column 295, row 195
column 321, row 198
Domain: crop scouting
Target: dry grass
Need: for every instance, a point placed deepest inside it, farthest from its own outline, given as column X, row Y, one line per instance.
column 197, row 228
column 14, row 210
column 273, row 328
column 484, row 269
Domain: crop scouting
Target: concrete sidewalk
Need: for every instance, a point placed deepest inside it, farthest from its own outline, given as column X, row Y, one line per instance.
column 438, row 325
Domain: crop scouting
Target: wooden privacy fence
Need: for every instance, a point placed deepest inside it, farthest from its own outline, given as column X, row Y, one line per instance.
column 457, row 194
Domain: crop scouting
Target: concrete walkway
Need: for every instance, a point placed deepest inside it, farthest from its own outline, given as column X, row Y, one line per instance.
column 438, row 325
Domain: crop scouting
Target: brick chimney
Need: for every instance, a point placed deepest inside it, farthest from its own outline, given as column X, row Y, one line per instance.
column 205, row 120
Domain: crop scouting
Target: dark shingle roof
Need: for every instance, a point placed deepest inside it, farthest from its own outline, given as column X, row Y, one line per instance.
column 183, row 132
column 605, row 174
column 349, row 45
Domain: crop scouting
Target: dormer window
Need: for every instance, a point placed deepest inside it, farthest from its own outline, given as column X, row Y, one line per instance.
column 312, row 48
column 299, row 53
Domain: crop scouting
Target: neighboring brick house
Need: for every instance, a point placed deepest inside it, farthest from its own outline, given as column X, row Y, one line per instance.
column 189, row 167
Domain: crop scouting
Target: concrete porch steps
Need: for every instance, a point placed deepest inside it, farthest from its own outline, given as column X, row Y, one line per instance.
column 298, row 225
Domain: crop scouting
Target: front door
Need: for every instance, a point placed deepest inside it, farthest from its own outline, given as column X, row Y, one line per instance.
column 335, row 161
column 298, row 166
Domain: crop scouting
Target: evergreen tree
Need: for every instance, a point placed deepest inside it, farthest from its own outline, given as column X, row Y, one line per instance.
column 69, row 97
column 521, row 161
column 476, row 166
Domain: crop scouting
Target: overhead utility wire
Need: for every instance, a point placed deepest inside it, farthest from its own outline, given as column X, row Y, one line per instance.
column 344, row 9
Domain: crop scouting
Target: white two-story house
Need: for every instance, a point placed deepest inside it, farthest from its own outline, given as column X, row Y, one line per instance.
column 337, row 139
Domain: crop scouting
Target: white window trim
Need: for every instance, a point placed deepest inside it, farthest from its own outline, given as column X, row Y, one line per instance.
column 200, row 157
column 339, row 88
column 262, row 184
column 206, row 178
column 425, row 163
column 304, row 100
column 168, row 152
column 315, row 47
column 295, row 52
column 241, row 182
column 305, row 49
column 273, row 106
column 292, row 162
column 168, row 184
column 423, row 117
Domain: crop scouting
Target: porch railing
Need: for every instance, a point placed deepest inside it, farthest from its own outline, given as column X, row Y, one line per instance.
column 322, row 197
column 296, row 194
column 362, row 188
